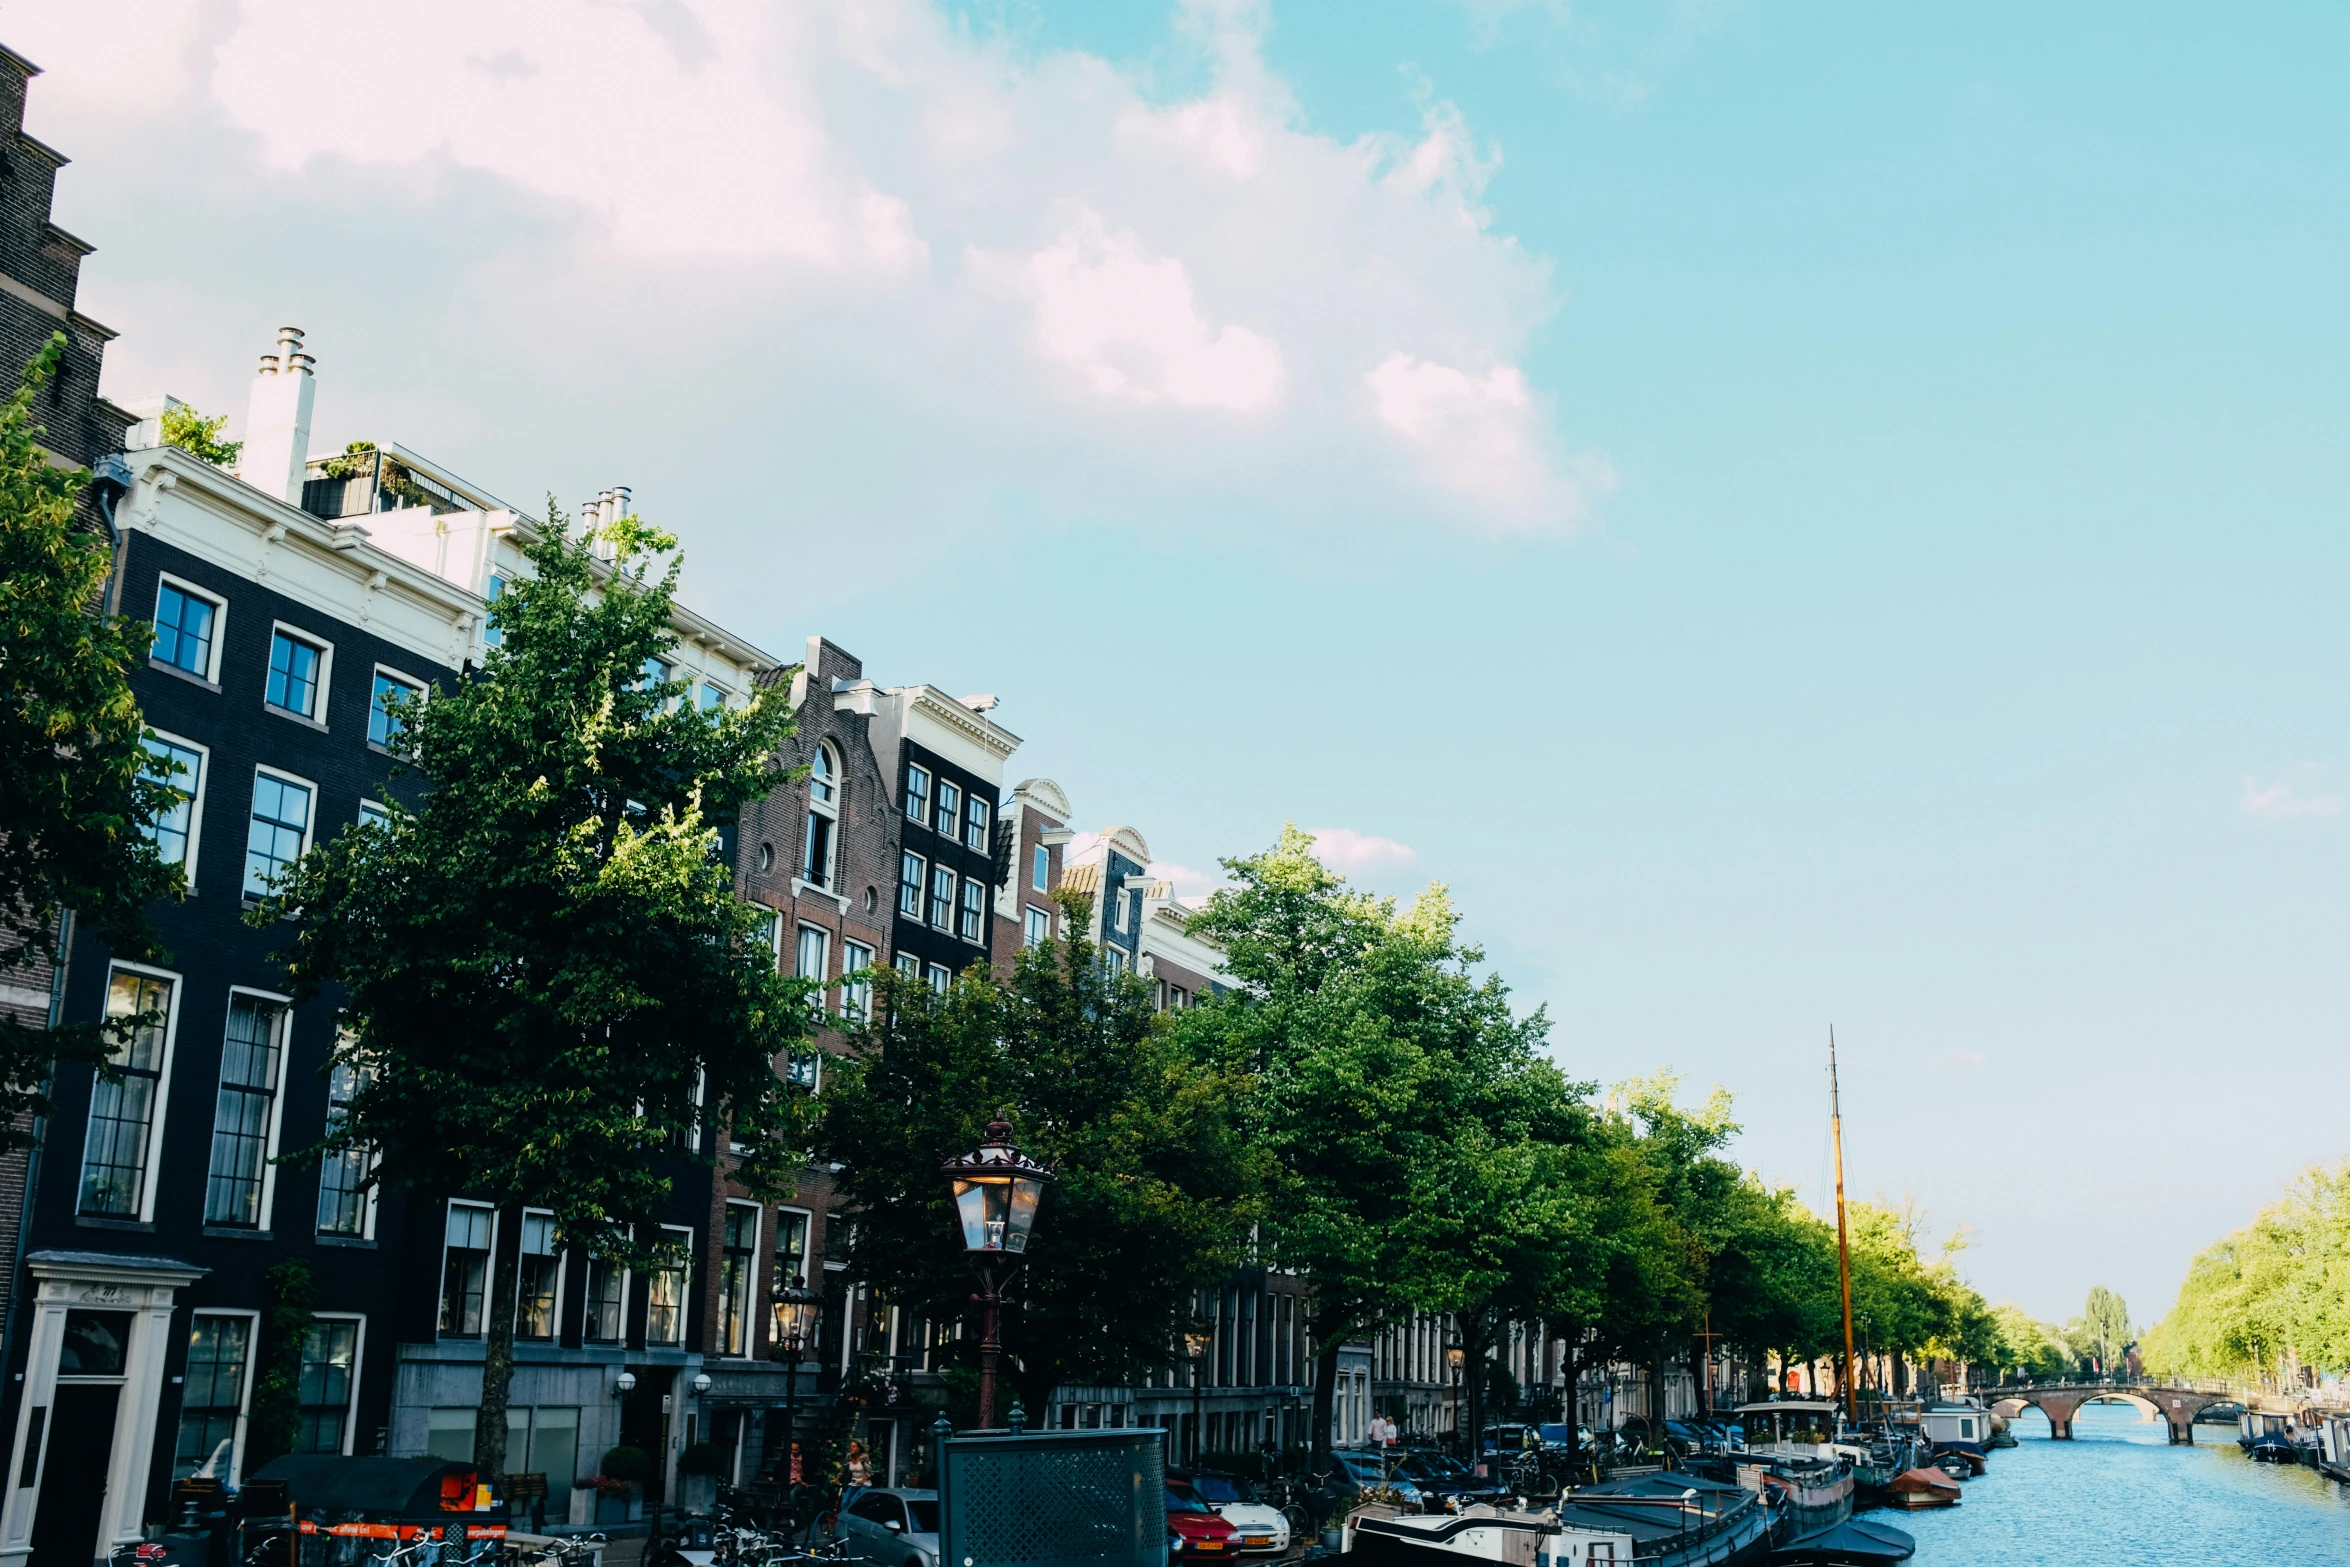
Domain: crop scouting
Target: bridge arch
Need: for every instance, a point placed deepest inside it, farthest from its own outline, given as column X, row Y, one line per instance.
column 2176, row 1405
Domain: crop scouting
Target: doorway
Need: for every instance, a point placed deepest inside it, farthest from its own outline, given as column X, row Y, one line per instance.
column 73, row 1478
column 644, row 1423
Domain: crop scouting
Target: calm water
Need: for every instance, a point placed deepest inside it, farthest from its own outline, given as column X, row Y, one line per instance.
column 2119, row 1495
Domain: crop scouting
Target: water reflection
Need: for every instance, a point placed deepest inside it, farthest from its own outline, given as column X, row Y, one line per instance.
column 2119, row 1495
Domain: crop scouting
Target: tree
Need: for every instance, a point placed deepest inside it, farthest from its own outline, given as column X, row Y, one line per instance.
column 2102, row 1330
column 77, row 794
column 1156, row 1185
column 198, row 436
column 550, row 990
column 276, row 1423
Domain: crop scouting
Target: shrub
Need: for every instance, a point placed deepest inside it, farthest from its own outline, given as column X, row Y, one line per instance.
column 627, row 1463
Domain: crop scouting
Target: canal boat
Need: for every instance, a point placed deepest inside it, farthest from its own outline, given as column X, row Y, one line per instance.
column 2333, row 1445
column 1963, row 1429
column 1922, row 1488
column 1857, row 1542
column 1657, row 1520
column 2268, row 1437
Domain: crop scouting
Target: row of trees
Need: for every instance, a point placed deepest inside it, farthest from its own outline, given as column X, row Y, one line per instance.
column 2273, row 1296
column 1362, row 1109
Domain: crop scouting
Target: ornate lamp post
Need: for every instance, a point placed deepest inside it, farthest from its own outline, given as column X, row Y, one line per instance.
column 795, row 1315
column 1195, row 1347
column 1456, row 1356
column 995, row 1194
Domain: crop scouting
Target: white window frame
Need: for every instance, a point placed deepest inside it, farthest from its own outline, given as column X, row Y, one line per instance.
column 919, row 913
column 1040, row 872
column 627, row 1275
column 971, row 911
column 685, row 1292
column 163, row 579
column 372, row 810
column 831, row 803
column 941, row 911
column 822, row 1002
column 856, row 996
column 421, row 688
column 277, row 1097
column 977, row 814
column 915, row 770
column 309, row 827
column 358, row 1368
column 953, row 830
column 367, row 1196
column 1039, row 926
column 562, row 1272
column 196, row 804
column 941, row 978
column 907, row 964
column 440, row 1293
column 171, row 1020
column 326, row 672
column 750, row 1320
column 807, row 1242
column 236, row 1452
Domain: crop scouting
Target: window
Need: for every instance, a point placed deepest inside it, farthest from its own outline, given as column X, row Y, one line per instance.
column 243, row 1113
column 917, row 795
column 1116, row 958
column 122, row 1114
column 492, row 591
column 280, row 830
column 974, row 910
column 465, row 1269
column 607, row 1301
column 384, row 717
column 373, row 814
column 975, row 824
column 941, row 977
column 342, row 1200
column 1177, row 998
column 816, row 849
column 173, row 832
column 213, row 1396
column 824, row 776
column 791, row 1250
column 1040, row 869
column 186, row 628
column 856, row 995
column 805, row 1070
column 665, row 1291
column 908, row 964
column 1117, row 911
column 910, row 869
column 330, row 1357
column 738, row 1256
column 538, row 1279
column 950, row 808
column 655, row 672
column 297, row 671
column 942, row 897
column 770, row 934
column 713, row 697
column 815, row 949
column 1040, row 926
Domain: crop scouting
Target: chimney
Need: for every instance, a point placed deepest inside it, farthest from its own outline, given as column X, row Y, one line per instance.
column 277, row 420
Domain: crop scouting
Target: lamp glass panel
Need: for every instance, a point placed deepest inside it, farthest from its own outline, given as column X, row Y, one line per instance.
column 1025, row 1190
column 980, row 1204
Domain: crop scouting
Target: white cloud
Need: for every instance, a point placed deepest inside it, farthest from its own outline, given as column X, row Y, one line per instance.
column 827, row 234
column 2283, row 802
column 1190, row 886
column 1352, row 853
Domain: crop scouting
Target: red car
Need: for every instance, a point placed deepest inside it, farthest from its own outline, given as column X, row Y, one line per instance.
column 1195, row 1531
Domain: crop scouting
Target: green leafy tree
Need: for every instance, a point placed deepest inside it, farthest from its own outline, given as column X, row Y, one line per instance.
column 551, row 993
column 77, row 795
column 198, row 436
column 1156, row 1185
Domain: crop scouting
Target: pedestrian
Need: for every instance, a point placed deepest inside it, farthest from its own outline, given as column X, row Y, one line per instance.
column 860, row 1469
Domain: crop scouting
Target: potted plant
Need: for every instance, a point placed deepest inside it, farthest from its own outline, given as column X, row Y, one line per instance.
column 616, row 1483
column 699, row 1469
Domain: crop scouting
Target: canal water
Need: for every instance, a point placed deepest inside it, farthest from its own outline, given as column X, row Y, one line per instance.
column 2119, row 1495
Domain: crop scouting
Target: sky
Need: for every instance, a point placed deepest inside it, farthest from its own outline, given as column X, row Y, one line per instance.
column 1800, row 515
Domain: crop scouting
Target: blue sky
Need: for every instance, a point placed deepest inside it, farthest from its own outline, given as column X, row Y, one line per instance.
column 1797, row 513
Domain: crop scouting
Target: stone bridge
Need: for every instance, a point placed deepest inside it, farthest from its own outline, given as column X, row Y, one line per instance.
column 2178, row 1405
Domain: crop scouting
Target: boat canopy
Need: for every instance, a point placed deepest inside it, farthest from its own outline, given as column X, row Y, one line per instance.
column 1790, row 1406
column 1861, row 1542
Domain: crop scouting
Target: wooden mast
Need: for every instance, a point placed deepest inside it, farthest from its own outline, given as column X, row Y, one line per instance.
column 1843, row 1240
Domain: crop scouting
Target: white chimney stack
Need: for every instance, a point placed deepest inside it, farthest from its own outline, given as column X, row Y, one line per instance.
column 277, row 420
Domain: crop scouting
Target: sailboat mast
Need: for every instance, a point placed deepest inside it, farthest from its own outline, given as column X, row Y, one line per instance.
column 1843, row 1238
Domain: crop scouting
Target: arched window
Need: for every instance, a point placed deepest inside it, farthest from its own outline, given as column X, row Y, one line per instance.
column 816, row 848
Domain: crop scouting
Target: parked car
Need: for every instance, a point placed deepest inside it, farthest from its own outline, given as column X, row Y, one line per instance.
column 892, row 1528
column 1448, row 1484
column 1259, row 1527
column 1196, row 1531
column 1370, row 1470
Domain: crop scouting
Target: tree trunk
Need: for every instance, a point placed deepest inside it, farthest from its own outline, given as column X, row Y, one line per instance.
column 497, row 1361
column 1325, row 1393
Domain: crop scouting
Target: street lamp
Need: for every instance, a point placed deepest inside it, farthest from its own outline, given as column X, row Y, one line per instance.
column 1456, row 1356
column 995, row 1194
column 1195, row 1345
column 795, row 1315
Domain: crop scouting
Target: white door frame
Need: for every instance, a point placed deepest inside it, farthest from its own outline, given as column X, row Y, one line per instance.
column 147, row 1287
